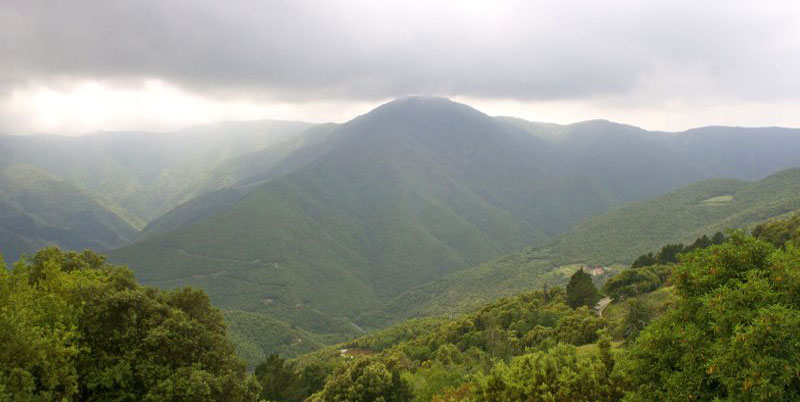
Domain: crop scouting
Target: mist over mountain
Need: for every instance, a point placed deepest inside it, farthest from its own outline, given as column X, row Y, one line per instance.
column 145, row 173
column 409, row 193
column 37, row 210
column 135, row 176
column 326, row 228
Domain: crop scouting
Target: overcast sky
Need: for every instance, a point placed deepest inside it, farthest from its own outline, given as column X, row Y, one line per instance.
column 69, row 67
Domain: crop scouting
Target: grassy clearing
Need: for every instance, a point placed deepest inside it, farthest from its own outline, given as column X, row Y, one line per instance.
column 718, row 200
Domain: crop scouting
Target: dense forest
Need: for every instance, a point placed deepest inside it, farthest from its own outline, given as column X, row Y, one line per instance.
column 714, row 320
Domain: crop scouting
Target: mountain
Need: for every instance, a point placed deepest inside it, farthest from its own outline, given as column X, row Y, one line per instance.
column 615, row 237
column 379, row 218
column 37, row 210
column 405, row 194
column 49, row 180
column 639, row 164
column 146, row 173
column 328, row 228
column 234, row 178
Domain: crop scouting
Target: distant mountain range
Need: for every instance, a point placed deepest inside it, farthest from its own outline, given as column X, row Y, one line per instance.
column 38, row 209
column 135, row 176
column 333, row 229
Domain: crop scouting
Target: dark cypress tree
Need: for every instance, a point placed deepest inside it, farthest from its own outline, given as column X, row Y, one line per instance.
column 581, row 291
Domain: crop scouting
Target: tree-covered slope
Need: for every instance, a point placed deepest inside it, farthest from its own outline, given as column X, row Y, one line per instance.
column 616, row 237
column 37, row 209
column 234, row 178
column 718, row 324
column 145, row 173
column 681, row 216
column 361, row 226
column 414, row 190
column 640, row 164
column 256, row 336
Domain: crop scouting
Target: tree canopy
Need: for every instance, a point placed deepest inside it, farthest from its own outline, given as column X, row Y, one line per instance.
column 732, row 335
column 81, row 329
column 581, row 291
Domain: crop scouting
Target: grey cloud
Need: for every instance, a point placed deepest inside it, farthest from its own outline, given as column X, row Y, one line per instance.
column 296, row 50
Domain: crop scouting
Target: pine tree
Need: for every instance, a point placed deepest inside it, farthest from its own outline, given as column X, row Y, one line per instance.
column 581, row 291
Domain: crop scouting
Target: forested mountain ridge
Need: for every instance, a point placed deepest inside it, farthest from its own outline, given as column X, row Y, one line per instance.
column 146, row 173
column 402, row 195
column 234, row 178
column 37, row 209
column 135, row 176
column 615, row 237
column 617, row 155
column 396, row 199
column 144, row 176
column 312, row 224
column 538, row 346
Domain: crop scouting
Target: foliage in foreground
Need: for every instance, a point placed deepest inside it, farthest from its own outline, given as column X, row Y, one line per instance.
column 75, row 328
column 725, row 329
column 732, row 334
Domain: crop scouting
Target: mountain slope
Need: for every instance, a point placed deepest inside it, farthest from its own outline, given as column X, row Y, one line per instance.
column 411, row 191
column 234, row 178
column 639, row 164
column 617, row 236
column 375, row 220
column 147, row 174
column 38, row 210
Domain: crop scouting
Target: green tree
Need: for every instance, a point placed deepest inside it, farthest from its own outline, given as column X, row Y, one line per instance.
column 38, row 334
column 85, row 330
column 581, row 291
column 636, row 318
column 645, row 260
column 669, row 253
column 279, row 380
column 579, row 327
column 632, row 282
column 780, row 233
column 732, row 334
column 556, row 375
column 365, row 380
column 718, row 238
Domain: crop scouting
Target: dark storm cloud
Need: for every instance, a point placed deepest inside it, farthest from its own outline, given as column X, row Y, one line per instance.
column 371, row 50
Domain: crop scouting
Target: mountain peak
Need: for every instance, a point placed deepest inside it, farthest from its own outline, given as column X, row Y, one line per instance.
column 421, row 98
column 421, row 113
column 417, row 103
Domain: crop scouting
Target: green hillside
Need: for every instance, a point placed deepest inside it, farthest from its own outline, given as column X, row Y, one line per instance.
column 701, row 208
column 145, row 173
column 610, row 239
column 37, row 209
column 533, row 346
column 401, row 196
column 256, row 336
column 234, row 178
column 618, row 155
column 378, row 219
